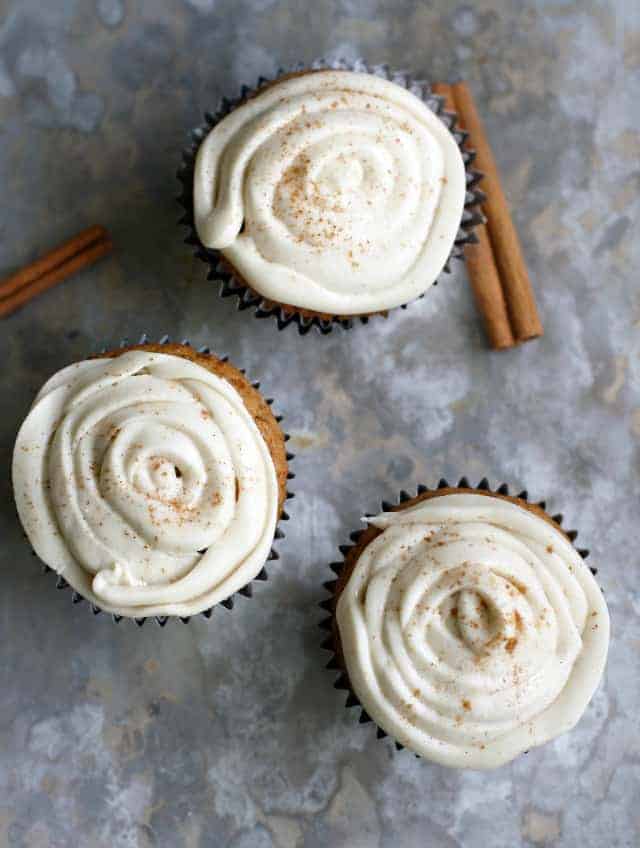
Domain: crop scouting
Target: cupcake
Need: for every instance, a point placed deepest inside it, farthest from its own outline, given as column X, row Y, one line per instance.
column 467, row 626
column 151, row 479
column 327, row 195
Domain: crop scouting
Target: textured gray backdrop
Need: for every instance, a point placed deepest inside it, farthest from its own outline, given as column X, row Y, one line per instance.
column 229, row 733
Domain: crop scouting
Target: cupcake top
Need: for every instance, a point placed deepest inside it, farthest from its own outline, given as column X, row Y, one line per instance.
column 332, row 191
column 145, row 481
column 471, row 629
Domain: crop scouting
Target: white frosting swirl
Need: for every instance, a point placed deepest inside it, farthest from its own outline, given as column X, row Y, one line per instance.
column 145, row 482
column 334, row 191
column 472, row 630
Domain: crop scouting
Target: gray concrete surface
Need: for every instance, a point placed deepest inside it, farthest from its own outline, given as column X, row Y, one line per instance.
column 229, row 733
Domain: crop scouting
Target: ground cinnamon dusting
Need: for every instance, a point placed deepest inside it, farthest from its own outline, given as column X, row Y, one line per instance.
column 510, row 645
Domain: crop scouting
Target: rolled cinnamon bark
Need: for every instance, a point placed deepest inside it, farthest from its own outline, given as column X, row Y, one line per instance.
column 483, row 273
column 75, row 254
column 523, row 313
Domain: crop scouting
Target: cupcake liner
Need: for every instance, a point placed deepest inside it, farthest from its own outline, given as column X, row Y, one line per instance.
column 247, row 590
column 220, row 271
column 329, row 624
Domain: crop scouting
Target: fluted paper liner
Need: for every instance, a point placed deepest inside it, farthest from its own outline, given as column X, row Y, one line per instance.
column 329, row 625
column 220, row 271
column 247, row 590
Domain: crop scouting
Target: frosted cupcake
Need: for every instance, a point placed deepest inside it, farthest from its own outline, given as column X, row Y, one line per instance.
column 467, row 626
column 151, row 479
column 328, row 195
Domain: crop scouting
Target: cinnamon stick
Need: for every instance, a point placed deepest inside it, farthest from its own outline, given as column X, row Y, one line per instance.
column 55, row 266
column 483, row 273
column 488, row 292
column 507, row 252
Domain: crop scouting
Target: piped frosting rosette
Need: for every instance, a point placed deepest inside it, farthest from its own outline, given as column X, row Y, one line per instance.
column 471, row 629
column 145, row 482
column 333, row 191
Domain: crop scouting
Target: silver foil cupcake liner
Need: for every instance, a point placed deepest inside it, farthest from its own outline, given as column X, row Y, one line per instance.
column 219, row 271
column 247, row 590
column 329, row 625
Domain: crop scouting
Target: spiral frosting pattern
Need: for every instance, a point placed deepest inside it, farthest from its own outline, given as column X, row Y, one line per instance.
column 471, row 629
column 333, row 191
column 144, row 481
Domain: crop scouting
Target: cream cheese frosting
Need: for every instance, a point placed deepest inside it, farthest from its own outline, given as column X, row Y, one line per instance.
column 472, row 630
column 145, row 482
column 334, row 191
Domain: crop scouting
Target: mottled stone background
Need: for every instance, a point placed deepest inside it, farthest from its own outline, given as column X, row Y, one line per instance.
column 229, row 733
